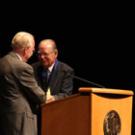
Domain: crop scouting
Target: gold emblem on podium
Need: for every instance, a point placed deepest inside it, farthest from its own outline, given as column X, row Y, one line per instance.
column 112, row 123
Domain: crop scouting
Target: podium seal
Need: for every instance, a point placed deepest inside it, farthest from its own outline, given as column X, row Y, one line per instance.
column 112, row 123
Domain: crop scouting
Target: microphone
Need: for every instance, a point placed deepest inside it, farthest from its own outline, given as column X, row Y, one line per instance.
column 86, row 81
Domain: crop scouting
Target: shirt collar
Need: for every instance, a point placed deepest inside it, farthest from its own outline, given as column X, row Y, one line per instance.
column 20, row 58
column 51, row 67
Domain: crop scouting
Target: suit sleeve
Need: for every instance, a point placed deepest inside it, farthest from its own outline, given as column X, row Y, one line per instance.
column 67, row 85
column 29, row 86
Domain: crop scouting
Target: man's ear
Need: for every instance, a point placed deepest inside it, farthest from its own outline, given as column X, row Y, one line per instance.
column 56, row 52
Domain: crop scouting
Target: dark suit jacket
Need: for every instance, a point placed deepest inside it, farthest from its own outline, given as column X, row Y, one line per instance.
column 61, row 80
column 19, row 92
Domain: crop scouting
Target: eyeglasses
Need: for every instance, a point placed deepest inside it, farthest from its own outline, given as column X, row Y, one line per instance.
column 44, row 54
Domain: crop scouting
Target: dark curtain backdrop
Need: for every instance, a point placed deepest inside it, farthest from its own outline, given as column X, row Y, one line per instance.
column 97, row 41
column 100, row 54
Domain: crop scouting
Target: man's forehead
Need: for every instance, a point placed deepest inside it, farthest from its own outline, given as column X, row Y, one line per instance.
column 45, row 46
column 45, row 49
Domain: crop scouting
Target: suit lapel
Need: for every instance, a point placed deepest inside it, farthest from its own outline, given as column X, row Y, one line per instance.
column 54, row 76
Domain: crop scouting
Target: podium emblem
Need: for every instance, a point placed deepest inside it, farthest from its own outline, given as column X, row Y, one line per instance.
column 112, row 123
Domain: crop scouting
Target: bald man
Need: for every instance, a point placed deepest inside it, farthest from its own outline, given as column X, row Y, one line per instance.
column 53, row 76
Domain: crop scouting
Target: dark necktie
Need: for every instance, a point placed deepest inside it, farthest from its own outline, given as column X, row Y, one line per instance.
column 48, row 75
column 45, row 79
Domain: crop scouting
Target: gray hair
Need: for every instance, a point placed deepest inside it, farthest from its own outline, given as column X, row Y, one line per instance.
column 22, row 40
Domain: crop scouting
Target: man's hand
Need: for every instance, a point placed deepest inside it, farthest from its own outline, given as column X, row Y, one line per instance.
column 50, row 98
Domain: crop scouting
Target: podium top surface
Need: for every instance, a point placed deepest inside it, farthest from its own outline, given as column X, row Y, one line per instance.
column 106, row 91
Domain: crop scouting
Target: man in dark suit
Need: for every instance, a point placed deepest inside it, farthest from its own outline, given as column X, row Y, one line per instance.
column 19, row 91
column 52, row 75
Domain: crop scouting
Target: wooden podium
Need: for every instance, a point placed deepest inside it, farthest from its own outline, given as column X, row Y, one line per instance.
column 94, row 111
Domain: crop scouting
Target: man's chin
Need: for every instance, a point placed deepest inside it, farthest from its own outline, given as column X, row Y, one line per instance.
column 45, row 65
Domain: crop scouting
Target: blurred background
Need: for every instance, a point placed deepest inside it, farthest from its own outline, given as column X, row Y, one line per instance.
column 96, row 40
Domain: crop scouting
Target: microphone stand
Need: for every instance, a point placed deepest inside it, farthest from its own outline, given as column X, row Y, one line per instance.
column 86, row 81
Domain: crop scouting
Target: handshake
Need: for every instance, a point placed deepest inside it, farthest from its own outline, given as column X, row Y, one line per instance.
column 49, row 97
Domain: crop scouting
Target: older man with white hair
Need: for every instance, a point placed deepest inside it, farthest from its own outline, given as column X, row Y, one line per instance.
column 19, row 91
